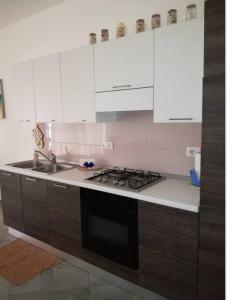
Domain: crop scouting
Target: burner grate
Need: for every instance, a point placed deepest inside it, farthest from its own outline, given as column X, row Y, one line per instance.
column 128, row 179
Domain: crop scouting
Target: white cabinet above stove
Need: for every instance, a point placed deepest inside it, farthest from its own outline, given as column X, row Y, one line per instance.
column 125, row 100
column 124, row 63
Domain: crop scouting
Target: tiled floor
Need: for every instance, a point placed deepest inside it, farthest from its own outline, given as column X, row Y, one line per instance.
column 64, row 282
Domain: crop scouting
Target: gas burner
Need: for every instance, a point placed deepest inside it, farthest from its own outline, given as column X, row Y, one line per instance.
column 127, row 179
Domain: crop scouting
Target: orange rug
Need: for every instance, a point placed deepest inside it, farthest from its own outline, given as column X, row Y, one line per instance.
column 21, row 261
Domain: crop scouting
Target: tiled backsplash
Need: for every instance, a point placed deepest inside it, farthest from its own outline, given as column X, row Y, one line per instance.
column 138, row 143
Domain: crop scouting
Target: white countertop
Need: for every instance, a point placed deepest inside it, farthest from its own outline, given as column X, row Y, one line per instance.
column 172, row 192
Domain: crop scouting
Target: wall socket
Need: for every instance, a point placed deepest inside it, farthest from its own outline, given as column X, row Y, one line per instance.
column 190, row 151
column 108, row 145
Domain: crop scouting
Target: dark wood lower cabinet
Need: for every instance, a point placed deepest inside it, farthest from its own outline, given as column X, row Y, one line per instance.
column 168, row 249
column 168, row 237
column 34, row 195
column 64, row 217
column 11, row 200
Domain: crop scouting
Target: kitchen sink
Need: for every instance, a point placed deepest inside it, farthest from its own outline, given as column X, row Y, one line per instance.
column 50, row 168
column 43, row 166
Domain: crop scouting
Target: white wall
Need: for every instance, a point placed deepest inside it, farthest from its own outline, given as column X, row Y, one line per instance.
column 65, row 26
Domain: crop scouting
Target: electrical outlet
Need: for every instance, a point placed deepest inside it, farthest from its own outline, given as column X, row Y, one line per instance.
column 108, row 145
column 190, row 151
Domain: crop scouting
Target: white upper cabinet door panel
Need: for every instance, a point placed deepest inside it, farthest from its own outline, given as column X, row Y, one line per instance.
column 127, row 100
column 23, row 92
column 179, row 56
column 78, row 91
column 124, row 63
column 47, row 87
column 178, row 102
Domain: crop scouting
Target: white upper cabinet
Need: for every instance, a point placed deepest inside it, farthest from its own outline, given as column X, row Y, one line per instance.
column 23, row 92
column 178, row 72
column 47, row 85
column 124, row 63
column 78, row 91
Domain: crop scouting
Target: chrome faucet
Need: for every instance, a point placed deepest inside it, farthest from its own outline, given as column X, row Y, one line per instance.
column 52, row 159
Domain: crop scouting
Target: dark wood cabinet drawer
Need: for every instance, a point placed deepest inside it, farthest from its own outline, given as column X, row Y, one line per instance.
column 64, row 217
column 167, row 220
column 34, row 194
column 168, row 250
column 11, row 200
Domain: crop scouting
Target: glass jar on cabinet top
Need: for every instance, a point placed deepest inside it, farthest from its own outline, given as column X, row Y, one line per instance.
column 191, row 12
column 155, row 21
column 172, row 16
column 121, row 30
column 140, row 25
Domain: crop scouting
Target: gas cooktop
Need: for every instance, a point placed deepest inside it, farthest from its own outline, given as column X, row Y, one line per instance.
column 126, row 179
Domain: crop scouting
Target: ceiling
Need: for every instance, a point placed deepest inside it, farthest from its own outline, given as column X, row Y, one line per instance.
column 12, row 11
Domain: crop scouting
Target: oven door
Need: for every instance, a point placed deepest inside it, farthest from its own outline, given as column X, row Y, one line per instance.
column 112, row 235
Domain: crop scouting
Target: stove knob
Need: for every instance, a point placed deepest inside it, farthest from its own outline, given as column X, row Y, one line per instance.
column 121, row 182
column 115, row 181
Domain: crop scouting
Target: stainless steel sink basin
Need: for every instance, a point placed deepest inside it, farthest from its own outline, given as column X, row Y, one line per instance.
column 23, row 164
column 50, row 169
column 43, row 167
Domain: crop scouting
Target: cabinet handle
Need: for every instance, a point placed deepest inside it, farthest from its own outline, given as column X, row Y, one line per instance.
column 7, row 174
column 121, row 86
column 180, row 119
column 60, row 186
column 31, row 179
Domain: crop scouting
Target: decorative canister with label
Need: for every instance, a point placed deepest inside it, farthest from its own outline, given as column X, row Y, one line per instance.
column 172, row 16
column 191, row 12
column 92, row 38
column 121, row 30
column 140, row 25
column 104, row 35
column 155, row 21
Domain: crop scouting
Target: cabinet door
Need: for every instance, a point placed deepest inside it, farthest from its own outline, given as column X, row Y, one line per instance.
column 11, row 200
column 127, row 100
column 124, row 63
column 47, row 88
column 64, row 217
column 78, row 91
column 34, row 194
column 179, row 72
column 168, row 242
column 23, row 92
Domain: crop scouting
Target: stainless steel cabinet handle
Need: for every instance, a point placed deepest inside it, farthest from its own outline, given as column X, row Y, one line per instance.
column 60, row 186
column 7, row 174
column 30, row 179
column 121, row 86
column 180, row 119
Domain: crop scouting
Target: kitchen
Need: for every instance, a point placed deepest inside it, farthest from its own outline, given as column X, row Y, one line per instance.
column 132, row 109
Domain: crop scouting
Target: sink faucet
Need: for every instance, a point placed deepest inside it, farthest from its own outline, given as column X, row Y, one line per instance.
column 51, row 159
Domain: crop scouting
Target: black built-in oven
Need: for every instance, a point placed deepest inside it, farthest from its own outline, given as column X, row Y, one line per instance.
column 110, row 226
